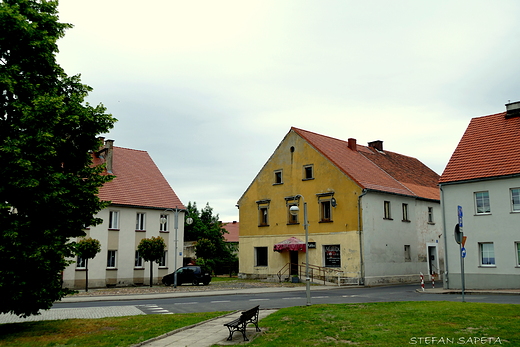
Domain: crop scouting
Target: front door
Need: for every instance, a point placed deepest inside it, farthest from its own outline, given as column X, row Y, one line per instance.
column 294, row 262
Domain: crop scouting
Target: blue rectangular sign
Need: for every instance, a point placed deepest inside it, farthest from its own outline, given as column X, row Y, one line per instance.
column 459, row 211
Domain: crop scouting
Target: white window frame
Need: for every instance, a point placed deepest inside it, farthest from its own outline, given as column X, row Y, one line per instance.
column 113, row 220
column 111, row 259
column 81, row 263
column 387, row 210
column 517, row 251
column 486, row 252
column 164, row 227
column 163, row 262
column 405, row 212
column 138, row 261
column 482, row 200
column 140, row 221
column 515, row 199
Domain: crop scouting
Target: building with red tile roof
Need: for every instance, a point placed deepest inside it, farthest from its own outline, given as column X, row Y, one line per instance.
column 372, row 213
column 142, row 205
column 482, row 180
column 233, row 231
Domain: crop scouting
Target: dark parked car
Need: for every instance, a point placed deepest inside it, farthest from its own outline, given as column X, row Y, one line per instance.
column 188, row 274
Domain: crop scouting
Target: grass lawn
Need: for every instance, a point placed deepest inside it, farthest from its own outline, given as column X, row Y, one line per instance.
column 374, row 324
column 116, row 331
column 393, row 324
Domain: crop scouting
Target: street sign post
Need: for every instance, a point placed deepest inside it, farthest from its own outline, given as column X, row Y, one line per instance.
column 461, row 240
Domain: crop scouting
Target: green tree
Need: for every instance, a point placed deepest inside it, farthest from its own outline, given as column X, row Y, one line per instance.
column 87, row 248
column 209, row 233
column 152, row 250
column 48, row 185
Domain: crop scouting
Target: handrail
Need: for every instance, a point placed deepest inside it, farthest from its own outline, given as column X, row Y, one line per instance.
column 321, row 271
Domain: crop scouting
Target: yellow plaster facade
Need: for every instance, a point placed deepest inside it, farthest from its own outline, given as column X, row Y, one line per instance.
column 296, row 168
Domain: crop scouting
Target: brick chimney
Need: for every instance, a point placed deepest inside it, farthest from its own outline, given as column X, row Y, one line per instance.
column 513, row 109
column 352, row 144
column 109, row 160
column 378, row 144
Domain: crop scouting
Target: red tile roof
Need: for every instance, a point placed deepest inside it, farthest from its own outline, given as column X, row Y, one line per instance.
column 138, row 182
column 232, row 228
column 377, row 170
column 490, row 147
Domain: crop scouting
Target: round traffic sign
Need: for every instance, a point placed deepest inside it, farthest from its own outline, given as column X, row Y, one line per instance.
column 463, row 252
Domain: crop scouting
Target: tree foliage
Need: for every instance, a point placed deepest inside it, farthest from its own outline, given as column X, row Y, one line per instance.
column 152, row 250
column 87, row 248
column 48, row 185
column 211, row 247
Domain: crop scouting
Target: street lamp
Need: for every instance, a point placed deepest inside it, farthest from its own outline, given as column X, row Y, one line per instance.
column 164, row 220
column 293, row 210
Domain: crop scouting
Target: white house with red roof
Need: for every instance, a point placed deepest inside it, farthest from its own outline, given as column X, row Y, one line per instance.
column 142, row 205
column 373, row 215
column 483, row 178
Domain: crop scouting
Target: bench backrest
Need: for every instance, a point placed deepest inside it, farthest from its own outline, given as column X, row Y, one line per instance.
column 247, row 315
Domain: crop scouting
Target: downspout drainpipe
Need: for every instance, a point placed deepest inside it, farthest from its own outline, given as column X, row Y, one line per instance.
column 446, row 281
column 360, row 234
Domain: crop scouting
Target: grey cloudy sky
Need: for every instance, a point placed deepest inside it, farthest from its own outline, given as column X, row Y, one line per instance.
column 210, row 88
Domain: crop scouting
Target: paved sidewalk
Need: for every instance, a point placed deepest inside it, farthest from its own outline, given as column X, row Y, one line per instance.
column 206, row 334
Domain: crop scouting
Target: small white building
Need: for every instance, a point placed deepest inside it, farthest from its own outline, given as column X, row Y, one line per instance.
column 140, row 197
column 483, row 178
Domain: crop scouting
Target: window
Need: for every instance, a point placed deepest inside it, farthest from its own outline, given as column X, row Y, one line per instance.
column 111, row 259
column 113, row 220
column 332, row 255
column 326, row 201
column 487, row 254
column 140, row 221
column 517, row 245
column 263, row 212
column 278, row 177
column 260, row 256
column 81, row 263
column 292, row 219
column 387, row 210
column 308, row 172
column 405, row 213
column 482, row 202
column 407, row 254
column 163, row 260
column 163, row 225
column 515, row 199
column 430, row 214
column 325, row 211
column 263, row 216
column 138, row 260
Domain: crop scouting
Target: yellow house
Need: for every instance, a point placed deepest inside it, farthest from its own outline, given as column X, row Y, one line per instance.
column 351, row 194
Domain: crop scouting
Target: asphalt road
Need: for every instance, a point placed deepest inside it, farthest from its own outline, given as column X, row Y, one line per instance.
column 273, row 300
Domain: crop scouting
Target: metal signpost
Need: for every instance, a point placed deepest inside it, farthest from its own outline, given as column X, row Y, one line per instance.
column 461, row 240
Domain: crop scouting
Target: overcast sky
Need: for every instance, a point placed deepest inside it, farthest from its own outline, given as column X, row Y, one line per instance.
column 210, row 88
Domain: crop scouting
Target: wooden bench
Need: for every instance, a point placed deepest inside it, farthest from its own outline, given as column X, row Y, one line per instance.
column 240, row 324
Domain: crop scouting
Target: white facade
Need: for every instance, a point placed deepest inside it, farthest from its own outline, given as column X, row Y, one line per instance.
column 493, row 238
column 398, row 247
column 116, row 264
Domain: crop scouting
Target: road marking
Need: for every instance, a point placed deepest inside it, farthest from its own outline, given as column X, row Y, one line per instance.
column 186, row 303
column 320, row 297
column 258, row 299
column 293, row 298
column 216, row 302
column 350, row 296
